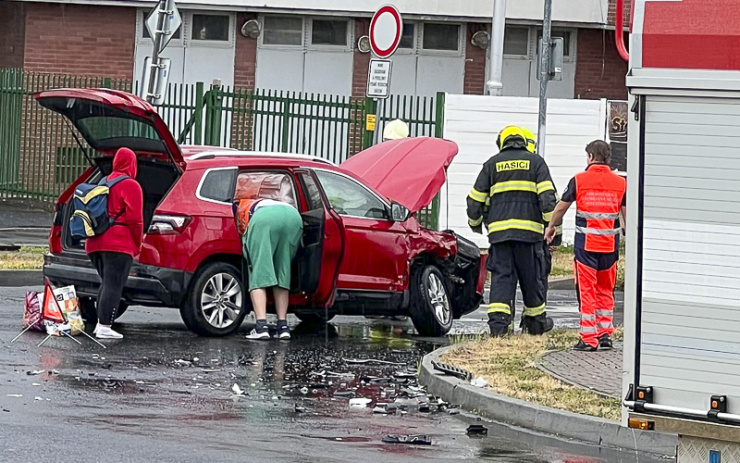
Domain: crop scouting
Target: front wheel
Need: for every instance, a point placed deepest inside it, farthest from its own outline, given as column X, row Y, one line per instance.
column 430, row 306
column 217, row 301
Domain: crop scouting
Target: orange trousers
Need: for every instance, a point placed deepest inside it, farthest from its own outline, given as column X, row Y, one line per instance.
column 596, row 275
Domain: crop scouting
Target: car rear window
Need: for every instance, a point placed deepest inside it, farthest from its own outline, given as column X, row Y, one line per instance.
column 218, row 185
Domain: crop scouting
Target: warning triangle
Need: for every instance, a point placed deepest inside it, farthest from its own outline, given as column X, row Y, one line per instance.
column 51, row 311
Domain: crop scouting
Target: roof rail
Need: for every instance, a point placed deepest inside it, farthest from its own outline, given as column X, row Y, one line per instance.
column 231, row 154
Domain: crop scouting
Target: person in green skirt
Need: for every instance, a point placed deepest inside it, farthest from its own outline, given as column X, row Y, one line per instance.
column 272, row 234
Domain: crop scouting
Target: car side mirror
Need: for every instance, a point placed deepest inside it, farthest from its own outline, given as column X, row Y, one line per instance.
column 399, row 213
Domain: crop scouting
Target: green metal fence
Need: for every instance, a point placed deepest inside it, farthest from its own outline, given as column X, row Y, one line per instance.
column 39, row 158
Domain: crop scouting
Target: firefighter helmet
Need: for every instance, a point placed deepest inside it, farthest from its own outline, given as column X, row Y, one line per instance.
column 531, row 140
column 395, row 130
column 510, row 136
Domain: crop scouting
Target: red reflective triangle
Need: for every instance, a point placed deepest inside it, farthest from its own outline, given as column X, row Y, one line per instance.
column 51, row 311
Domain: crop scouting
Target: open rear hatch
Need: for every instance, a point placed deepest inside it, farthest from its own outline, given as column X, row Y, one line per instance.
column 109, row 120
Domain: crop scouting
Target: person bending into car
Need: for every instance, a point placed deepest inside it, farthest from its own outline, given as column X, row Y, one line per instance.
column 271, row 232
column 113, row 252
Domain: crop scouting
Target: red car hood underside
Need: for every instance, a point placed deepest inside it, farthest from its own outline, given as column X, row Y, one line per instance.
column 409, row 171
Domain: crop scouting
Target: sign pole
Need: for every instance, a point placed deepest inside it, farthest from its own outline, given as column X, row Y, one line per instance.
column 158, row 34
column 545, row 56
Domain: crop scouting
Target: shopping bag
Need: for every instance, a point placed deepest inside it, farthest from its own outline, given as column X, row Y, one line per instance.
column 68, row 303
column 32, row 318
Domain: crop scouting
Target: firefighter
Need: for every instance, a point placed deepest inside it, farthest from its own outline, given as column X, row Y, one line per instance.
column 599, row 194
column 522, row 198
column 548, row 248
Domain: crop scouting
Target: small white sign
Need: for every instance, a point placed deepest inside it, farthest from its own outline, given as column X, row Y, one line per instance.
column 379, row 78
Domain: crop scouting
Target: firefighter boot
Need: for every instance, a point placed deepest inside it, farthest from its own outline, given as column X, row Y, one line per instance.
column 538, row 325
column 499, row 324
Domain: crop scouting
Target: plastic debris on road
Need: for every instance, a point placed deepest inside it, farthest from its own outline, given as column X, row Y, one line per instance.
column 237, row 390
column 359, row 402
column 479, row 382
column 410, row 440
column 477, row 430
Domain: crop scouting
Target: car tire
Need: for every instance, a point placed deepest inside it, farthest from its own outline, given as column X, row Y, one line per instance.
column 430, row 307
column 217, row 292
column 314, row 318
column 90, row 313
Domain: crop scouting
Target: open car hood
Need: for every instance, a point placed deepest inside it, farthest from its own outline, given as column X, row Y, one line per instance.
column 409, row 171
column 109, row 119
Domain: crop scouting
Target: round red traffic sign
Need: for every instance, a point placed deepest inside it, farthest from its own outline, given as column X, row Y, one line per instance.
column 386, row 29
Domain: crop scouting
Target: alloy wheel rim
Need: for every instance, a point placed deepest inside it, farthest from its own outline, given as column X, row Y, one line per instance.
column 438, row 300
column 221, row 300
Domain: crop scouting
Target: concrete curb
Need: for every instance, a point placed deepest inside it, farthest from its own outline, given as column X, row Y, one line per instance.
column 562, row 284
column 16, row 278
column 516, row 412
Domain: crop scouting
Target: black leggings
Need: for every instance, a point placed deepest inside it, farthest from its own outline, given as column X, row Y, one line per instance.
column 113, row 269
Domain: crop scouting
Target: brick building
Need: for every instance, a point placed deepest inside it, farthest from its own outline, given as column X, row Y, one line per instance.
column 312, row 45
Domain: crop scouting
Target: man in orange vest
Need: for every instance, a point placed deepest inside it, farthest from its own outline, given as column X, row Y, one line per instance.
column 599, row 194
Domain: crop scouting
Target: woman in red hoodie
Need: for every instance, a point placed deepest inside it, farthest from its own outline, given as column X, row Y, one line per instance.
column 114, row 251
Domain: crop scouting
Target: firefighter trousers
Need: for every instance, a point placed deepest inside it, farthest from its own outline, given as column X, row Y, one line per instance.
column 546, row 270
column 595, row 275
column 508, row 262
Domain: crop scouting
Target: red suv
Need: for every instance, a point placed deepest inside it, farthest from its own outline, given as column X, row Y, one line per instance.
column 361, row 254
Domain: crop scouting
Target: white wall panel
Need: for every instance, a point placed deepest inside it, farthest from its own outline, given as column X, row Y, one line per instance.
column 473, row 122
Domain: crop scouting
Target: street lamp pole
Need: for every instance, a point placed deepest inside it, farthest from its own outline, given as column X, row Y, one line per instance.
column 545, row 56
column 495, row 86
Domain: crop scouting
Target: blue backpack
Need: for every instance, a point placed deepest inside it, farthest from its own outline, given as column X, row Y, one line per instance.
column 90, row 217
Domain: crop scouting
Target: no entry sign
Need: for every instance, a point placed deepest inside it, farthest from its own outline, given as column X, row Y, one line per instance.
column 386, row 29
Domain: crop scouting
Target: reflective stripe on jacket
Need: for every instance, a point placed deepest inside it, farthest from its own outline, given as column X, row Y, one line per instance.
column 599, row 196
column 514, row 196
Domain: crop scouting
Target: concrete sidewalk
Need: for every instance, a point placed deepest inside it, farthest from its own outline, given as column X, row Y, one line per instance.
column 599, row 371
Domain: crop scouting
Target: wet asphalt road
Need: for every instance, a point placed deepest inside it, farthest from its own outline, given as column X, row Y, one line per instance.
column 163, row 394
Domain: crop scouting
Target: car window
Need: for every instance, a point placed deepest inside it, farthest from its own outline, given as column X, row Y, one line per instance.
column 348, row 197
column 218, row 185
column 265, row 185
column 313, row 195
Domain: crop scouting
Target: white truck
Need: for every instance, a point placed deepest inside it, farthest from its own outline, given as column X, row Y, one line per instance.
column 682, row 301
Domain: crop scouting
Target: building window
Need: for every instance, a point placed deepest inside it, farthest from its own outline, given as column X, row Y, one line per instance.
column 210, row 27
column 565, row 34
column 283, row 30
column 144, row 15
column 445, row 37
column 329, row 32
column 516, row 41
column 407, row 37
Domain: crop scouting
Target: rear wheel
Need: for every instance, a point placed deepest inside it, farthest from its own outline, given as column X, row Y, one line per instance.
column 430, row 307
column 217, row 302
column 90, row 313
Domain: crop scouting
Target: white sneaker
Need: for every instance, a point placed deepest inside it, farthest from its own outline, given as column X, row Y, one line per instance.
column 254, row 334
column 107, row 333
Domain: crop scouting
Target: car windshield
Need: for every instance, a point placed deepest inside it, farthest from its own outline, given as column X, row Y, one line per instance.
column 109, row 132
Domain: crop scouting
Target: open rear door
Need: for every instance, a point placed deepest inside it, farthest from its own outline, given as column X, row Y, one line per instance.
column 323, row 245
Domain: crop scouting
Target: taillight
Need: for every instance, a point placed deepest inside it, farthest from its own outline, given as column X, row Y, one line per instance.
column 168, row 224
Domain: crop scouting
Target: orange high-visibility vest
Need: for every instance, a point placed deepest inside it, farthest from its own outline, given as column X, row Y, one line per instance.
column 244, row 212
column 599, row 195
